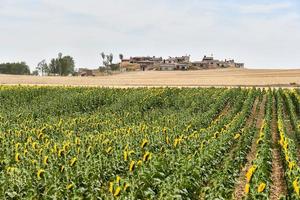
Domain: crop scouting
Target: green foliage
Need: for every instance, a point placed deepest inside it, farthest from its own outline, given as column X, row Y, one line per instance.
column 101, row 143
column 62, row 65
column 114, row 67
column 14, row 68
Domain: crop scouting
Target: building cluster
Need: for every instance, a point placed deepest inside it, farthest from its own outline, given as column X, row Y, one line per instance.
column 176, row 63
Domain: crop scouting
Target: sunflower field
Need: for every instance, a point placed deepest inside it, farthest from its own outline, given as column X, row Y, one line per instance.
column 149, row 143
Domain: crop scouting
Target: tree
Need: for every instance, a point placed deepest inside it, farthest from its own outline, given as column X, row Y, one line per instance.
column 103, row 55
column 14, row 68
column 62, row 65
column 52, row 66
column 35, row 73
column 110, row 58
column 107, row 59
column 121, row 56
column 67, row 65
column 42, row 67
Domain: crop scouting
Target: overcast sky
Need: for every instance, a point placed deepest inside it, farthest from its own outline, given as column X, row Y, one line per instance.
column 261, row 33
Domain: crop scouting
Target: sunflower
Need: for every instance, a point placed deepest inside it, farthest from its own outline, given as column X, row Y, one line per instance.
column 17, row 146
column 247, row 188
column 40, row 135
column 125, row 154
column 118, row 179
column 176, row 141
column 139, row 163
column 73, row 161
column 296, row 186
column 126, row 186
column 117, row 191
column 62, row 168
column 60, row 152
column 144, row 143
column 292, row 165
column 237, row 136
column 89, row 149
column 109, row 149
column 77, row 141
column 17, row 157
column 167, row 140
column 111, row 187
column 45, row 161
column 261, row 187
column 34, row 145
column 146, row 156
column 132, row 166
column 40, row 173
column 250, row 172
column 25, row 152
column 70, row 186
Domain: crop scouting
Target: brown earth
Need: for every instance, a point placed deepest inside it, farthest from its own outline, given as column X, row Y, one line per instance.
column 204, row 78
column 278, row 188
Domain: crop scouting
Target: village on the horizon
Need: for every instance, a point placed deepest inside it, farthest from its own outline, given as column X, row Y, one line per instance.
column 176, row 63
column 148, row 63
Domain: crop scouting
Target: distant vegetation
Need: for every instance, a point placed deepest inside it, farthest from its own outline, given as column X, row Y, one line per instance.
column 20, row 68
column 107, row 60
column 62, row 65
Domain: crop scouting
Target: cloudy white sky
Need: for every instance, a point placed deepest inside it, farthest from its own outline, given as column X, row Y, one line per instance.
column 261, row 33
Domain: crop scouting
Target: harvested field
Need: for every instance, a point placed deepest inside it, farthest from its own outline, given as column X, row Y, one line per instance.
column 221, row 77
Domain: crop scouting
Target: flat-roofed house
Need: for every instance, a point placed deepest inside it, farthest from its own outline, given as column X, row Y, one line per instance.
column 208, row 62
column 142, row 63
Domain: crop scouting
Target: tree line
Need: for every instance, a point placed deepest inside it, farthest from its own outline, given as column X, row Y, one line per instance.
column 14, row 68
column 61, row 65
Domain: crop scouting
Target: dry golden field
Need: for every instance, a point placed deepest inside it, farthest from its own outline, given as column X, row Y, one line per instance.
column 220, row 77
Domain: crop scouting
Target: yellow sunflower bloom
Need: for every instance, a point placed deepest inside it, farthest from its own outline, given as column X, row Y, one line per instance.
column 118, row 179
column 247, row 188
column 45, row 161
column 132, row 166
column 70, row 186
column 111, row 187
column 144, row 143
column 73, row 161
column 237, row 136
column 250, row 172
column 118, row 191
column 126, row 186
column 146, row 156
column 296, row 186
column 125, row 155
column 40, row 173
column 17, row 157
column 261, row 187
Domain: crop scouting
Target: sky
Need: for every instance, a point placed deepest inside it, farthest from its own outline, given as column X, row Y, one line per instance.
column 260, row 33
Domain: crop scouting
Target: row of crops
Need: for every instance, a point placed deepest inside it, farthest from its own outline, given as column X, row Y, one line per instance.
column 162, row 143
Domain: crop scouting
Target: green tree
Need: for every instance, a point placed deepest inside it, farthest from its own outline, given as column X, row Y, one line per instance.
column 20, row 68
column 107, row 60
column 62, row 65
column 67, row 65
column 42, row 67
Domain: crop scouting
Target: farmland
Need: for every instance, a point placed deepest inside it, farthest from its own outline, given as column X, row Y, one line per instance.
column 155, row 143
column 198, row 78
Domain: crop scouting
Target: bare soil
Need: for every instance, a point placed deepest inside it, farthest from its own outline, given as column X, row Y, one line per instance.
column 204, row 78
column 278, row 188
